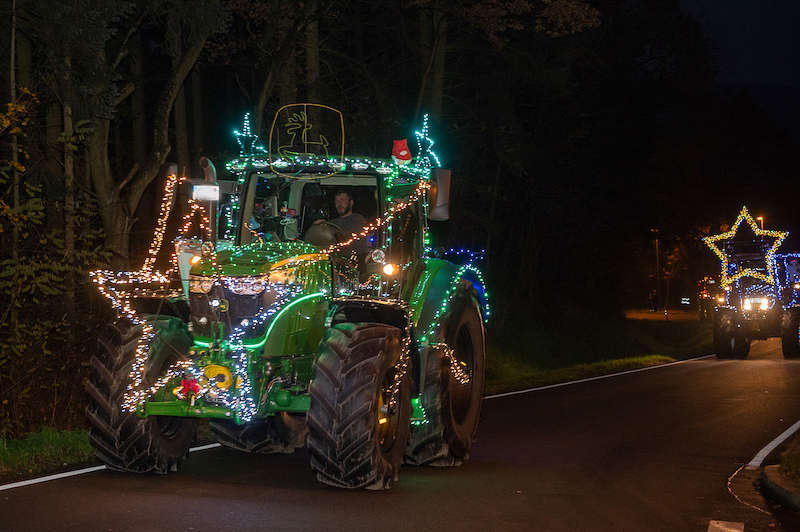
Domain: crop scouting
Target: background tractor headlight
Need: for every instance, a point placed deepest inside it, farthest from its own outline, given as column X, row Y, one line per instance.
column 758, row 303
column 199, row 284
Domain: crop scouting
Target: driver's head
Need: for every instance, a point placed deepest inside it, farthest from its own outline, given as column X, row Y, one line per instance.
column 343, row 202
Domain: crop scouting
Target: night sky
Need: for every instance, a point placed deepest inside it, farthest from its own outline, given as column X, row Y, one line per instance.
column 754, row 44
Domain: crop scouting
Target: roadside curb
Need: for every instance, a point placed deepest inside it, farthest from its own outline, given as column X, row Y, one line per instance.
column 773, row 482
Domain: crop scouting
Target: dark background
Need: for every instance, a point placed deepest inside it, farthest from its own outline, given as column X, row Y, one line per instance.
column 573, row 128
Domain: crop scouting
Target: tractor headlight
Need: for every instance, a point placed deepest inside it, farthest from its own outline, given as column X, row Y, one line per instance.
column 758, row 303
column 199, row 284
column 246, row 286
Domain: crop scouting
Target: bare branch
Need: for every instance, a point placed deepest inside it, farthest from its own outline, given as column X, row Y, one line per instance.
column 128, row 178
column 123, row 47
column 126, row 91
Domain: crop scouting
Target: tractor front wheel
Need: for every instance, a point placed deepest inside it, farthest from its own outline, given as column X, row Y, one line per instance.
column 360, row 406
column 122, row 440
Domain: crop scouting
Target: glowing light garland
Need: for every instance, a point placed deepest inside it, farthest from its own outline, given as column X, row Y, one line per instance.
column 161, row 222
column 456, row 370
column 387, row 217
column 450, row 294
column 248, row 146
column 769, row 257
column 426, row 158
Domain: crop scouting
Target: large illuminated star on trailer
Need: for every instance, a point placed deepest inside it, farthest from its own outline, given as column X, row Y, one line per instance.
column 769, row 256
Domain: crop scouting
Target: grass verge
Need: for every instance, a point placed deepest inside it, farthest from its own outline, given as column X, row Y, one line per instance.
column 508, row 375
column 538, row 355
column 790, row 462
column 43, row 452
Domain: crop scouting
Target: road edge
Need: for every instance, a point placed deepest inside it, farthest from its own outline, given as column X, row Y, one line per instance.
column 778, row 487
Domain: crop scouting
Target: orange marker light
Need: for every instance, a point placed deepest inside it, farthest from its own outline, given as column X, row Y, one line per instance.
column 389, row 269
column 194, row 260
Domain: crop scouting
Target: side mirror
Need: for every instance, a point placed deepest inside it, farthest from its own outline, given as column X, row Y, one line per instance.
column 439, row 207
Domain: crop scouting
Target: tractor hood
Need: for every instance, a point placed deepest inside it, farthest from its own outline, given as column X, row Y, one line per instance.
column 241, row 288
column 257, row 259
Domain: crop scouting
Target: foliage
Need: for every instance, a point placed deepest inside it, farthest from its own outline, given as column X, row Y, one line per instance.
column 41, row 361
column 44, row 451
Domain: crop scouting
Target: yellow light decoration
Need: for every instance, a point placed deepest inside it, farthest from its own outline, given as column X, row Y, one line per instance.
column 769, row 257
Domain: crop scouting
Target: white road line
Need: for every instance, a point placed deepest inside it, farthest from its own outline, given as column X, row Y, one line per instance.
column 569, row 383
column 204, row 447
column 755, row 463
column 50, row 477
column 80, row 472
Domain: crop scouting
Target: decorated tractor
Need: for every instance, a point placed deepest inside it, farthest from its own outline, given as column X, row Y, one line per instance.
column 760, row 290
column 284, row 326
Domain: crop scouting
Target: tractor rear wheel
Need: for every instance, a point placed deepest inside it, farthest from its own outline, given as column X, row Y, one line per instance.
column 123, row 441
column 360, row 410
column 452, row 394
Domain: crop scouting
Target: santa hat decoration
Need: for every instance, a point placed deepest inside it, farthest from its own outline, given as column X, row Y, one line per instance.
column 400, row 152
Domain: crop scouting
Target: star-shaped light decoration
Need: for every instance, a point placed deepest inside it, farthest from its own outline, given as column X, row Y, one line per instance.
column 769, row 256
column 426, row 158
column 247, row 140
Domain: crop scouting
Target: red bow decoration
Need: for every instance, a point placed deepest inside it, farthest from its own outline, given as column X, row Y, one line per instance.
column 190, row 385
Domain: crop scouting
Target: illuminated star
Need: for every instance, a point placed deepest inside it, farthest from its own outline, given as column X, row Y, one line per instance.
column 425, row 151
column 247, row 140
column 769, row 256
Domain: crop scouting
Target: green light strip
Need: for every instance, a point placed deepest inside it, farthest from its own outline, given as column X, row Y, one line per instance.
column 275, row 320
column 259, row 343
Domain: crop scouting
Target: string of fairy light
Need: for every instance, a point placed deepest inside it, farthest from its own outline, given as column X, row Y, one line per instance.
column 769, row 257
column 110, row 283
column 116, row 286
column 381, row 221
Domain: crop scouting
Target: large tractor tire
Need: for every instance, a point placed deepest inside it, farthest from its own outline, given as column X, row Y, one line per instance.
column 729, row 340
column 452, row 394
column 790, row 334
column 123, row 441
column 278, row 434
column 360, row 411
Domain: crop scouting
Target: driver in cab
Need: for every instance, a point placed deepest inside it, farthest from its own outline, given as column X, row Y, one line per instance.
column 348, row 221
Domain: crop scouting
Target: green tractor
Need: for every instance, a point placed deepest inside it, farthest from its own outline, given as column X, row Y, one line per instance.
column 283, row 330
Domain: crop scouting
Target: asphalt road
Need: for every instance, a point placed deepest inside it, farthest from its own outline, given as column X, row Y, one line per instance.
column 645, row 451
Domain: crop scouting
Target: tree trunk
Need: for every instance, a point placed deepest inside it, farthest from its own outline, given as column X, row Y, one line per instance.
column 181, row 133
column 14, row 155
column 288, row 91
column 312, row 54
column 161, row 147
column 433, row 39
column 112, row 211
column 53, row 130
column 138, row 103
column 69, row 188
column 198, row 117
